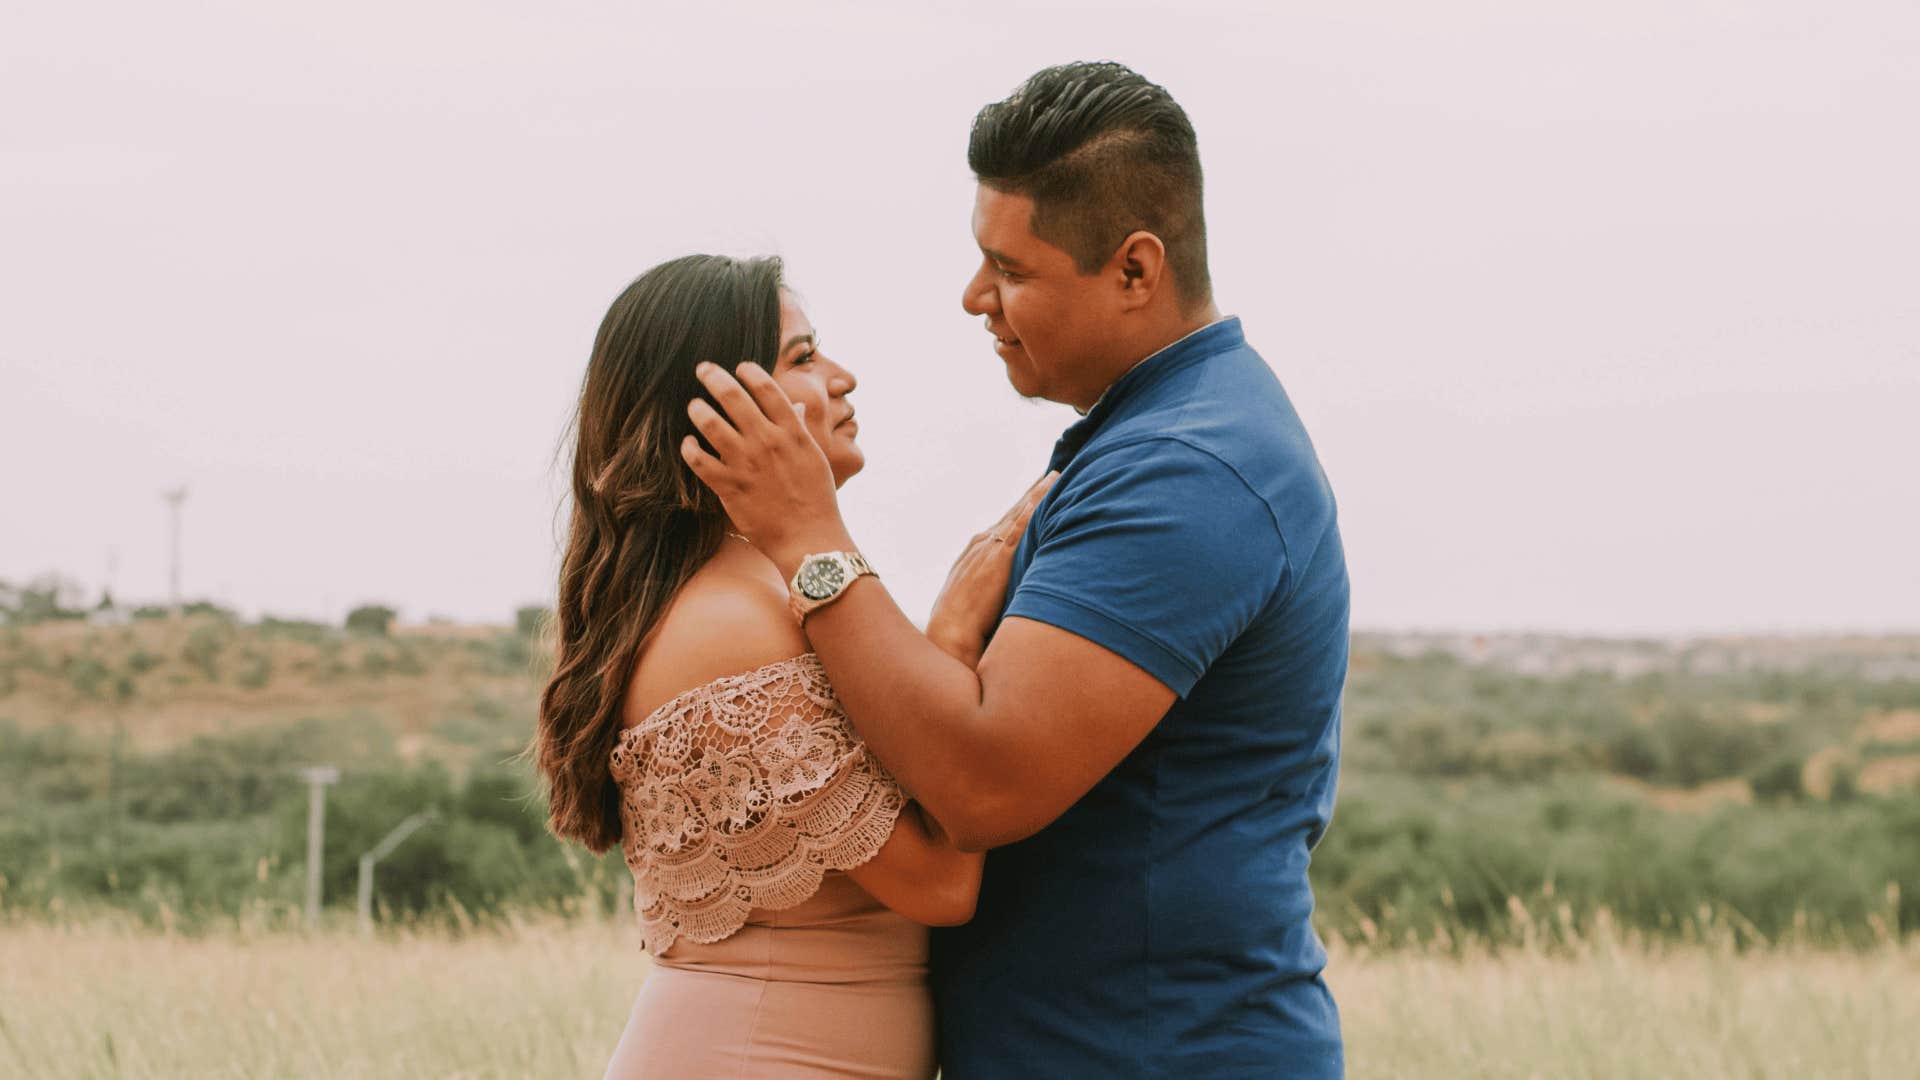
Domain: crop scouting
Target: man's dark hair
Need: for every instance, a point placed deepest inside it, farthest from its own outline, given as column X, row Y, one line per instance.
column 1102, row 152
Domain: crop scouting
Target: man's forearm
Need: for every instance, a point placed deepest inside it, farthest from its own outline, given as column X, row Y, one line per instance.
column 920, row 710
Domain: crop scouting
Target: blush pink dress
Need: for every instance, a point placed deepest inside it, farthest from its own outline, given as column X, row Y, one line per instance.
column 743, row 802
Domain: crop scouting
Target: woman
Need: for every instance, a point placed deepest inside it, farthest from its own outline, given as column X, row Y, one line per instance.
column 783, row 881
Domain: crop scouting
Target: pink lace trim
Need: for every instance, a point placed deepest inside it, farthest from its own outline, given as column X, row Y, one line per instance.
column 742, row 794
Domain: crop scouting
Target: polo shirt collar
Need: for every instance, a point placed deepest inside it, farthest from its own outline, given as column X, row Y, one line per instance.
column 1209, row 340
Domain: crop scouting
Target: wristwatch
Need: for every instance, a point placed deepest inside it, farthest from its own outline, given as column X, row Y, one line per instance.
column 821, row 579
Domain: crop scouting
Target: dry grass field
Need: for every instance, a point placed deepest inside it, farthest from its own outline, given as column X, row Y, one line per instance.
column 1638, row 827
column 548, row 1000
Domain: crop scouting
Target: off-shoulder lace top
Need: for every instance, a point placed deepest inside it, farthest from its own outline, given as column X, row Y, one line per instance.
column 742, row 794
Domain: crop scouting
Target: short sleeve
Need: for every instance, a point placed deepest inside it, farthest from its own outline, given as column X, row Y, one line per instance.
column 1156, row 550
column 743, row 794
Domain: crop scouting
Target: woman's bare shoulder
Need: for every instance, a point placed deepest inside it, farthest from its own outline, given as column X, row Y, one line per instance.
column 730, row 618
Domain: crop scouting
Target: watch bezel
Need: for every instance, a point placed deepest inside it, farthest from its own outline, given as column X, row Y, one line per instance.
column 814, row 568
column 852, row 567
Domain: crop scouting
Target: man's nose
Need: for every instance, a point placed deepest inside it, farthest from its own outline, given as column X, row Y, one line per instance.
column 979, row 297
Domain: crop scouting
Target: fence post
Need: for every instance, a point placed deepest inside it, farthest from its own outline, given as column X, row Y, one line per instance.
column 380, row 851
column 317, row 778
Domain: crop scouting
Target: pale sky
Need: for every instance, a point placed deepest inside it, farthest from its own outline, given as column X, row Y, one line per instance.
column 1604, row 319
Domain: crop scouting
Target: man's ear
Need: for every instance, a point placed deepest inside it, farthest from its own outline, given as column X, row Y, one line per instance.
column 1140, row 266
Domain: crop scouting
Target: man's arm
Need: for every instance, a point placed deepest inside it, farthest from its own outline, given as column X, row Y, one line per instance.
column 993, row 754
column 999, row 752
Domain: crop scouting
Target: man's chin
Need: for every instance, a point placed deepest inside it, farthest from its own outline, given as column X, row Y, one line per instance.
column 1022, row 381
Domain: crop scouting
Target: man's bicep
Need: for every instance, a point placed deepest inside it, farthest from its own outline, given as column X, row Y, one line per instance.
column 1070, row 710
column 1158, row 552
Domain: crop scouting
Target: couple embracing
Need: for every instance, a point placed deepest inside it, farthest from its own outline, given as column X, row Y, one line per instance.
column 1096, row 774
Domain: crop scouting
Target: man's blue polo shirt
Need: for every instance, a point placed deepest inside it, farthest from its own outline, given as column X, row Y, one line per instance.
column 1161, row 927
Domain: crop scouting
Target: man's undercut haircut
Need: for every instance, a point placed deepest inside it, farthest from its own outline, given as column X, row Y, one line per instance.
column 1102, row 153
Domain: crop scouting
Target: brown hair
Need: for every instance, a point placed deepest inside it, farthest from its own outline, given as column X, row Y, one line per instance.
column 642, row 523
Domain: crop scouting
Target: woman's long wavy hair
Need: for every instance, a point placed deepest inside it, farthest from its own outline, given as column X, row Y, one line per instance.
column 642, row 523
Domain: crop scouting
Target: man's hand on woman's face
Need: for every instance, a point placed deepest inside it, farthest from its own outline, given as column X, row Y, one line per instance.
column 771, row 476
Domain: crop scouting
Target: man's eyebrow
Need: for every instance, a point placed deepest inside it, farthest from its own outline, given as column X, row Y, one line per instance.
column 795, row 340
column 1001, row 258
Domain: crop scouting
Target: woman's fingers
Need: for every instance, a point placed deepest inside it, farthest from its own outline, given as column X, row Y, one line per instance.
column 1018, row 526
column 1039, row 491
column 1014, row 521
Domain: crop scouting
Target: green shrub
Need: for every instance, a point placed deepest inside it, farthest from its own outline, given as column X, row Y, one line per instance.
column 531, row 621
column 88, row 675
column 256, row 670
column 376, row 619
column 1413, row 855
column 1780, row 778
column 303, row 630
column 202, row 650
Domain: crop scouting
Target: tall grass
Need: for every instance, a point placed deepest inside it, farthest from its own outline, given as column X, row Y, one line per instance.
column 1611, row 1011
column 548, row 998
column 108, row 998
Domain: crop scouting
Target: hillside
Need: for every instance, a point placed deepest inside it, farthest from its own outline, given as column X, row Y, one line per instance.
column 1768, row 784
column 439, row 690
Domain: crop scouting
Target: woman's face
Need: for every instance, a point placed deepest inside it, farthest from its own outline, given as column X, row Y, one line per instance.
column 811, row 379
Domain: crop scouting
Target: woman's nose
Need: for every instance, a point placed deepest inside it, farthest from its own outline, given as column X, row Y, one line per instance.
column 843, row 382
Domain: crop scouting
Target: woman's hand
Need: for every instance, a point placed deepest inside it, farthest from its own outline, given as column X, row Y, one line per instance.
column 970, row 602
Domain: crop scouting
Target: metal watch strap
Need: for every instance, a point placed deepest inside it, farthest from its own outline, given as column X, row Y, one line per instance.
column 802, row 605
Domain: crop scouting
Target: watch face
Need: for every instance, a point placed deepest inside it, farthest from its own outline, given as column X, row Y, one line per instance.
column 821, row 578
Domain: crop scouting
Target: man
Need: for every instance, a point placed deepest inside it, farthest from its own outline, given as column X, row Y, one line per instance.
column 1149, row 741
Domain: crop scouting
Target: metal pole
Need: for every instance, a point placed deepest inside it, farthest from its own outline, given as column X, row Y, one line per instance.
column 366, row 896
column 174, row 499
column 113, row 796
column 317, row 777
column 380, row 851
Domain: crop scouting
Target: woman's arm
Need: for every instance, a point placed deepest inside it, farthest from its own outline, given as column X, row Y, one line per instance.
column 920, row 874
column 998, row 750
column 728, row 623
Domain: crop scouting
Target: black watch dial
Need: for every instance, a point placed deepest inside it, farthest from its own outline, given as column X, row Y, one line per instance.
column 821, row 578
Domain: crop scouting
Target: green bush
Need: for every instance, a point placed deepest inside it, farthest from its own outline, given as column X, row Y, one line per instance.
column 202, row 650
column 88, row 675
column 531, row 621
column 303, row 630
column 256, row 670
column 1412, row 856
column 1780, row 778
column 376, row 619
column 1463, row 791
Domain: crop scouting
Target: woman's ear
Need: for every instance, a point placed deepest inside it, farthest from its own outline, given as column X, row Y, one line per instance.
column 1141, row 262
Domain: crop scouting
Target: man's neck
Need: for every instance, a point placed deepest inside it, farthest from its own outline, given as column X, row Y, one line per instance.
column 1155, row 345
